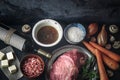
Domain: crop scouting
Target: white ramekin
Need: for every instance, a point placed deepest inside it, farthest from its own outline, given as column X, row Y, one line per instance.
column 47, row 22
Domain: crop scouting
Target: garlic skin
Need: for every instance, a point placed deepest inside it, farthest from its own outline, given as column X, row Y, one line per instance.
column 102, row 37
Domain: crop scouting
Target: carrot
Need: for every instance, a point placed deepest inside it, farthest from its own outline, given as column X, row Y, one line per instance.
column 102, row 72
column 107, row 60
column 110, row 54
column 110, row 63
column 89, row 47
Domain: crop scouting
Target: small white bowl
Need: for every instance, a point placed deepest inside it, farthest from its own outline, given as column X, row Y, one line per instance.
column 47, row 22
column 78, row 26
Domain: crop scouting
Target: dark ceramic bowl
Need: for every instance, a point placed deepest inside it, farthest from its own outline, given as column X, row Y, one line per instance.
column 25, row 60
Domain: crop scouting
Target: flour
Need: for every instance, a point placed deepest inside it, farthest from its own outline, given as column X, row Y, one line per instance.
column 75, row 34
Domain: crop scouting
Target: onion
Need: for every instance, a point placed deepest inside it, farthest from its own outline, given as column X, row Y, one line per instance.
column 92, row 29
column 102, row 37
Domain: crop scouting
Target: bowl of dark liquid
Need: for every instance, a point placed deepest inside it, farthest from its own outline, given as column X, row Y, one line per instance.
column 47, row 33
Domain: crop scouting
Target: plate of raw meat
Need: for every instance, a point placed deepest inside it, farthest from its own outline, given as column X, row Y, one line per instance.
column 67, row 63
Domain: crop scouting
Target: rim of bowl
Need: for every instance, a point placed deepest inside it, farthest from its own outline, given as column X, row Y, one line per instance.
column 52, row 44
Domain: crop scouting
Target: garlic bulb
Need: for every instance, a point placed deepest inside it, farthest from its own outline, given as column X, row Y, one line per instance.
column 102, row 37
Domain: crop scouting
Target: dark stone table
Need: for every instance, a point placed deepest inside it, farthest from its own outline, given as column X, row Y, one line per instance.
column 15, row 13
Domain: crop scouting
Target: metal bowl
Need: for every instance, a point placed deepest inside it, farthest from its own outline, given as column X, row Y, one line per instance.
column 61, row 51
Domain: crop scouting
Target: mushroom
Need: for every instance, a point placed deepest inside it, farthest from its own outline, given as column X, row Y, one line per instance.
column 113, row 29
column 26, row 28
column 112, row 38
column 116, row 45
column 110, row 73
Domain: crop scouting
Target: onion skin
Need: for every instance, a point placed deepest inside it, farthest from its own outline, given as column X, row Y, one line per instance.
column 92, row 29
column 102, row 37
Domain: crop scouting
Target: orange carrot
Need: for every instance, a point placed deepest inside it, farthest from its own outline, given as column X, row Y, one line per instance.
column 110, row 54
column 102, row 72
column 110, row 63
column 107, row 60
column 89, row 47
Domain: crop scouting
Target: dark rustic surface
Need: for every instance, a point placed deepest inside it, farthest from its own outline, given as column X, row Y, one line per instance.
column 29, row 11
column 15, row 13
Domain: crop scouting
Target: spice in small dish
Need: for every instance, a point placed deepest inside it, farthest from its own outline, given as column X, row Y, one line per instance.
column 74, row 33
